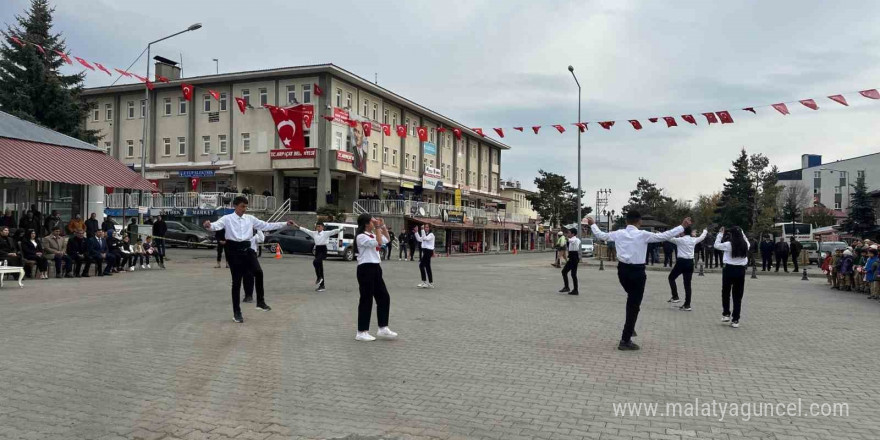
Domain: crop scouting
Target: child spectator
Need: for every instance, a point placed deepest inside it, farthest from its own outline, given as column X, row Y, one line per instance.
column 148, row 250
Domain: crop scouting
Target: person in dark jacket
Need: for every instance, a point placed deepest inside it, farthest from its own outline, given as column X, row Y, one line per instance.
column 32, row 250
column 220, row 237
column 159, row 231
column 847, row 264
column 795, row 248
column 92, row 225
column 668, row 248
column 402, row 244
column 7, row 220
column 52, row 221
column 781, row 250
column 411, row 243
column 709, row 250
column 108, row 226
column 766, row 254
column 99, row 253
column 132, row 230
column 37, row 217
column 115, row 245
column 753, row 251
column 77, row 250
column 9, row 250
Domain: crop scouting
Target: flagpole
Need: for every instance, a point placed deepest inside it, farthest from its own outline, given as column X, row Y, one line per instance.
column 579, row 215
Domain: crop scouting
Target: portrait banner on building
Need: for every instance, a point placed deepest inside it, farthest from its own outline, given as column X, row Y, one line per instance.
column 358, row 145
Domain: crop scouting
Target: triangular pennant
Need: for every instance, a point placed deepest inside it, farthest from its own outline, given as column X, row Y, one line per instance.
column 103, row 69
column 839, row 99
column 653, row 120
column 606, row 124
column 64, row 57
column 84, row 63
column 781, row 108
column 536, row 128
column 873, row 94
column 750, row 109
column 499, row 131
column 636, row 124
column 689, row 119
column 710, row 118
column 559, row 128
column 670, row 121
column 582, row 126
column 163, row 79
column 479, row 131
column 809, row 103
column 518, row 128
column 123, row 73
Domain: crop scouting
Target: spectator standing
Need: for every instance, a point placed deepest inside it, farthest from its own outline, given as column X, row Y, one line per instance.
column 132, row 230
column 846, row 270
column 826, row 267
column 26, row 221
column 766, row 254
column 709, row 250
column 54, row 248
column 220, row 237
column 781, row 250
column 7, row 220
column 668, row 248
column 37, row 219
column 561, row 249
column 835, row 269
column 795, row 249
column 32, row 250
column 92, row 225
column 108, row 226
column 753, row 251
column 411, row 240
column 77, row 251
column 401, row 243
column 9, row 251
column 871, row 273
column 52, row 221
column 159, row 231
column 76, row 224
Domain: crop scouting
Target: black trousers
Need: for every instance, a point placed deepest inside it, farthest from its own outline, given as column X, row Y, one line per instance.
column 632, row 277
column 732, row 277
column 412, row 251
column 719, row 258
column 783, row 259
column 220, row 252
column 794, row 260
column 401, row 254
column 126, row 259
column 571, row 266
column 685, row 267
column 425, row 265
column 109, row 259
column 244, row 265
column 766, row 262
column 318, row 262
column 76, row 263
column 372, row 286
column 667, row 258
column 68, row 263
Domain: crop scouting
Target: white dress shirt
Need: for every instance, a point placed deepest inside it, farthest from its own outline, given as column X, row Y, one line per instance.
column 687, row 244
column 368, row 247
column 321, row 238
column 426, row 240
column 728, row 252
column 258, row 239
column 632, row 243
column 241, row 228
column 574, row 244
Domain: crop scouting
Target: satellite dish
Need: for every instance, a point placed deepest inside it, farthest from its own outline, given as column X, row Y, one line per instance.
column 421, row 212
column 214, row 159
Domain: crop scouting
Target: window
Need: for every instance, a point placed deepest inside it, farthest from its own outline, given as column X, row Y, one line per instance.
column 843, row 179
column 375, row 112
column 339, row 97
column 406, row 163
column 181, row 146
column 129, row 144
column 166, row 147
column 206, row 142
column 348, row 101
column 394, row 157
column 130, row 109
column 246, row 96
column 108, row 110
column 431, row 135
column 385, row 155
column 264, row 97
column 817, row 174
column 338, row 144
column 385, row 116
column 143, row 108
column 860, row 174
column 108, row 147
column 837, row 189
column 96, row 112
column 394, row 118
column 223, row 102
column 141, row 145
column 364, row 110
column 375, row 152
column 407, row 125
column 221, row 141
column 207, row 102
column 307, row 93
column 291, row 94
column 414, row 163
column 181, row 106
column 245, row 142
column 167, row 106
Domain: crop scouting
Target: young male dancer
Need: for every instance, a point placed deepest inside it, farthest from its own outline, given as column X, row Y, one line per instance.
column 632, row 247
column 426, row 239
column 322, row 238
column 571, row 265
column 684, row 265
column 240, row 254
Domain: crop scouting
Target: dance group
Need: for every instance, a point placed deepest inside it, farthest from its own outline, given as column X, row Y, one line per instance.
column 240, row 242
column 632, row 247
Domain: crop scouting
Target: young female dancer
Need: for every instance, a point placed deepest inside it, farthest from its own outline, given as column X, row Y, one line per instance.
column 733, row 276
column 426, row 238
column 371, row 235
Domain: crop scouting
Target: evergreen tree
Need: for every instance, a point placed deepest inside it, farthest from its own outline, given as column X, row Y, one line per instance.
column 738, row 196
column 861, row 217
column 556, row 200
column 31, row 86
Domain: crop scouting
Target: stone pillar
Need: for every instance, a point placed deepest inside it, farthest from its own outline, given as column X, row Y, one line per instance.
column 95, row 202
column 320, row 139
column 278, row 186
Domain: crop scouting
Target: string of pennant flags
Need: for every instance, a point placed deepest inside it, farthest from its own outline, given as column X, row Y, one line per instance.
column 303, row 114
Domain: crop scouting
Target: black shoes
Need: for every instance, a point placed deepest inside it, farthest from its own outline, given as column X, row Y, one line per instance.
column 68, row 275
column 238, row 319
column 264, row 307
column 627, row 346
column 564, row 290
column 248, row 299
column 674, row 299
column 685, row 308
column 635, row 334
column 574, row 292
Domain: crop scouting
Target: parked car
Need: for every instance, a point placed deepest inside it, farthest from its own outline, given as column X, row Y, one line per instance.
column 183, row 231
column 587, row 247
column 831, row 246
column 292, row 241
column 811, row 248
column 341, row 245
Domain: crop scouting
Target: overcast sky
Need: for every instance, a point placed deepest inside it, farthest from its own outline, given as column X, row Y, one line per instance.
column 504, row 63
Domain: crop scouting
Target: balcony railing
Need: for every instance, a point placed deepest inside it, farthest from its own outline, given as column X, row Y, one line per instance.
column 421, row 209
column 187, row 200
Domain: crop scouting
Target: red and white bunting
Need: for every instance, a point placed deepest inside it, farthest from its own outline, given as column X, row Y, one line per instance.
column 710, row 118
column 750, row 109
column 872, row 94
column 499, row 131
column 670, row 121
column 725, row 117
column 781, row 108
column 636, row 124
column 839, row 99
column 606, row 124
column 536, row 128
column 689, row 119
column 559, row 128
column 582, row 126
column 809, row 103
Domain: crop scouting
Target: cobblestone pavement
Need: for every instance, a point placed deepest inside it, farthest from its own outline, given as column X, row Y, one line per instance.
column 492, row 352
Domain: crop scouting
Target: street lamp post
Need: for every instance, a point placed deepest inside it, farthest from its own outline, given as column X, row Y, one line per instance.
column 216, row 65
column 144, row 143
column 579, row 216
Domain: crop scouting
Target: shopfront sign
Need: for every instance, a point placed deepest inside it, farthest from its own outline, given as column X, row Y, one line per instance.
column 308, row 153
column 189, row 174
column 340, row 115
column 200, row 212
column 481, row 221
column 153, row 175
column 430, row 149
column 450, row 216
column 431, row 179
column 457, row 198
column 406, row 184
column 465, row 190
column 344, row 156
column 209, row 201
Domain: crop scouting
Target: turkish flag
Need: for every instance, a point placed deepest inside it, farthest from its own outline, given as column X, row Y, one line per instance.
column 479, row 131
column 725, row 117
column 606, row 124
column 318, row 90
column 499, row 131
column 441, row 129
column 17, row 41
column 288, row 126
column 352, row 123
column 140, row 78
column 401, row 130
column 457, row 133
column 559, row 128
column 242, row 104
column 636, row 124
column 215, row 94
column 188, row 92
column 423, row 134
column 781, row 108
column 535, row 128
column 751, row 109
column 64, row 57
column 308, row 113
column 84, row 63
column 653, row 120
column 123, row 73
column 710, row 118
column 162, row 79
column 689, row 118
column 194, row 183
column 103, row 69
column 582, row 126
column 329, row 118
column 518, row 128
column 150, row 85
column 368, row 128
column 386, row 129
column 873, row 94
column 155, row 183
column 809, row 103
column 839, row 99
column 670, row 121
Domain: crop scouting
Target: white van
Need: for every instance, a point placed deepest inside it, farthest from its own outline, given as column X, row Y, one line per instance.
column 341, row 245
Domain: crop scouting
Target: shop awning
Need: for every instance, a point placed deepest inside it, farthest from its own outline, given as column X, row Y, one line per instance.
column 21, row 159
column 437, row 223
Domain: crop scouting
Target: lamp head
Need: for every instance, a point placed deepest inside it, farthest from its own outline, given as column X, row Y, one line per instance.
column 194, row 27
column 571, row 69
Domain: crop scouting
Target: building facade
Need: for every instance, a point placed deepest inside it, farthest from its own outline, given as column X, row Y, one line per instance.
column 830, row 184
column 518, row 204
column 208, row 145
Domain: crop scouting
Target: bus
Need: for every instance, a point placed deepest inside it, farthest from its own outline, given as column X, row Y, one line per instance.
column 801, row 231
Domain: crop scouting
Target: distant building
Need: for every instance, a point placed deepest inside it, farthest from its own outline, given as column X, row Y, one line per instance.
column 519, row 204
column 830, row 183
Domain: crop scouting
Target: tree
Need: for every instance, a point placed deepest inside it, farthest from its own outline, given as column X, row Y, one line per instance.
column 738, row 196
column 767, row 203
column 31, row 86
column 861, row 217
column 757, row 173
column 819, row 216
column 703, row 212
column 793, row 202
column 647, row 198
column 557, row 200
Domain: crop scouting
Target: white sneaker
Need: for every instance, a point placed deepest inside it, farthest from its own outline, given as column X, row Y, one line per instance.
column 131, row 269
column 364, row 336
column 386, row 333
column 429, row 286
column 734, row 324
column 725, row 319
column 422, row 285
column 148, row 267
column 143, row 266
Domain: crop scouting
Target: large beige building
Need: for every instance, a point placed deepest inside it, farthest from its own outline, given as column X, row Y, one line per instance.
column 212, row 140
column 518, row 204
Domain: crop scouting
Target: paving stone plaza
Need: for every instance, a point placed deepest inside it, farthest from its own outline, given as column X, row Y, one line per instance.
column 492, row 352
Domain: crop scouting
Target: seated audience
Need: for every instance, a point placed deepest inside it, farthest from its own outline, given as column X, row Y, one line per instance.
column 55, row 249
column 32, row 250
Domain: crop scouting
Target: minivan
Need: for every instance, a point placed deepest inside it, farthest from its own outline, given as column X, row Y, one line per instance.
column 341, row 245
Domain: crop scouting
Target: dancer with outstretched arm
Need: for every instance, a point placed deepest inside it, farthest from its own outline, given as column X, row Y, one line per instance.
column 426, row 239
column 684, row 265
column 632, row 247
column 371, row 235
column 735, row 247
column 322, row 239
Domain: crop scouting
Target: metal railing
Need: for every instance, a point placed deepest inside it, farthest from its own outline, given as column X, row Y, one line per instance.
column 213, row 200
column 422, row 209
column 280, row 212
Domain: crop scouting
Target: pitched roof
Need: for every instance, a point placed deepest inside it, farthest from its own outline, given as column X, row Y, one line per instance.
column 13, row 127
